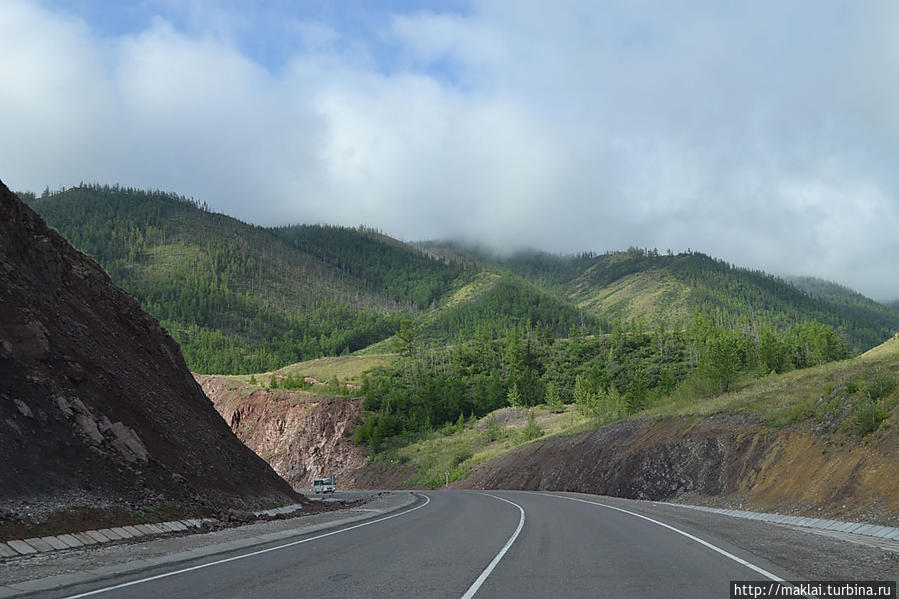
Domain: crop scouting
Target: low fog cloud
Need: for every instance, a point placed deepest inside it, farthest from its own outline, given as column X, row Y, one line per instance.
column 763, row 133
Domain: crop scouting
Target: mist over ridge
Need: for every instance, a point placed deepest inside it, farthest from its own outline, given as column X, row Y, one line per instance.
column 763, row 134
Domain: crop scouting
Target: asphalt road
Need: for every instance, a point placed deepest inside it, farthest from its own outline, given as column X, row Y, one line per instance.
column 467, row 543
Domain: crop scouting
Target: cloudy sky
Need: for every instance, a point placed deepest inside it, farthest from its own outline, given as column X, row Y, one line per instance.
column 763, row 133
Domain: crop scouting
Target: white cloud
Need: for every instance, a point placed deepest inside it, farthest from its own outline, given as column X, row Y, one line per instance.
column 762, row 133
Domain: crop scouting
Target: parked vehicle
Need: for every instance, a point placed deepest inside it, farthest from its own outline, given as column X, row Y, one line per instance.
column 325, row 485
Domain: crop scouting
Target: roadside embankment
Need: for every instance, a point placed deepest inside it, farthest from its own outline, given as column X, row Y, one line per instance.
column 719, row 461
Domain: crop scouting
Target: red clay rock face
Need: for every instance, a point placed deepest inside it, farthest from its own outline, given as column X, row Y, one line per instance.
column 97, row 406
column 300, row 435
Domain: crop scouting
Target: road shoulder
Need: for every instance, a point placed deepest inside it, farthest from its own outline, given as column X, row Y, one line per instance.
column 42, row 572
column 812, row 555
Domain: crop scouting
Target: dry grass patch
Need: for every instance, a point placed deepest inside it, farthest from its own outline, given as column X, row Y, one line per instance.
column 347, row 369
column 649, row 295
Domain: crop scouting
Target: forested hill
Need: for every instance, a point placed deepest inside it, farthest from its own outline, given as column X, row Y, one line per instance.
column 243, row 299
column 648, row 285
column 836, row 294
column 492, row 305
column 240, row 298
column 383, row 263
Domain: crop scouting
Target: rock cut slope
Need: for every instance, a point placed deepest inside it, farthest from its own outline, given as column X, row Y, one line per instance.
column 97, row 407
column 303, row 436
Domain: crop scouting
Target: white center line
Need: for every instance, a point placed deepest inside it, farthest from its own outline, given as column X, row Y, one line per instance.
column 237, row 557
column 480, row 580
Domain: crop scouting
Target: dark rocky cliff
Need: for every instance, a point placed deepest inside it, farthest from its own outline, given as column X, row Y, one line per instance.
column 97, row 406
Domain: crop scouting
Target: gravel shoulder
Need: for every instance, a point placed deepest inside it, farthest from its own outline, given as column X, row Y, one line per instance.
column 34, row 573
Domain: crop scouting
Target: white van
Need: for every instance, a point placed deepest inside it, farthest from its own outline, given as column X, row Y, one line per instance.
column 324, row 485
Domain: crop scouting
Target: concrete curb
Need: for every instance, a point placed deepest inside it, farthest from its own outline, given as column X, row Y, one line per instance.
column 17, row 547
column 280, row 510
column 103, row 572
column 858, row 528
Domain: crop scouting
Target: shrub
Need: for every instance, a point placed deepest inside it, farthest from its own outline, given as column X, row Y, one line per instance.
column 492, row 429
column 460, row 456
column 880, row 384
column 868, row 416
column 531, row 430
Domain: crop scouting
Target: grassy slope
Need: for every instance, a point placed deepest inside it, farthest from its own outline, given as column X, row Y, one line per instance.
column 809, row 393
column 669, row 287
column 457, row 452
column 499, row 302
column 351, row 368
column 466, row 291
column 347, row 369
column 651, row 295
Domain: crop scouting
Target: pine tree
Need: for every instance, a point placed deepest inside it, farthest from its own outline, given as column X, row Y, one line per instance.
column 531, row 430
column 513, row 397
column 584, row 397
column 553, row 400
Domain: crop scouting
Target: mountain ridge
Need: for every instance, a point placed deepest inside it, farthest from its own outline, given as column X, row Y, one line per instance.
column 609, row 285
column 241, row 298
column 235, row 296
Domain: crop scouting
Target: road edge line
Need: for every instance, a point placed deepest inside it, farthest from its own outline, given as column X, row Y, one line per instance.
column 245, row 555
column 705, row 543
column 476, row 585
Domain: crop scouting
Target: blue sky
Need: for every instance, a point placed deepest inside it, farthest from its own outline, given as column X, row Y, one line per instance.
column 265, row 31
column 763, row 133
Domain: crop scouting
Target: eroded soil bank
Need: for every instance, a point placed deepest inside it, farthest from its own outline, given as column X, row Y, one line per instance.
column 723, row 460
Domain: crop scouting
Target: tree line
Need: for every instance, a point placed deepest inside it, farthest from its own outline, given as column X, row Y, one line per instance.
column 607, row 376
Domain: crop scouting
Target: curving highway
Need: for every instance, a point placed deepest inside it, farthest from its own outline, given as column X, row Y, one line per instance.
column 469, row 544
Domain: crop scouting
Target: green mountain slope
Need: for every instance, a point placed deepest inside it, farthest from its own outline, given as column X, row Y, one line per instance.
column 646, row 285
column 495, row 304
column 238, row 298
column 849, row 300
column 380, row 262
column 242, row 299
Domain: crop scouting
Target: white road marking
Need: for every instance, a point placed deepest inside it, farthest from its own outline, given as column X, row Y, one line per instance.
column 726, row 554
column 237, row 557
column 480, row 580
